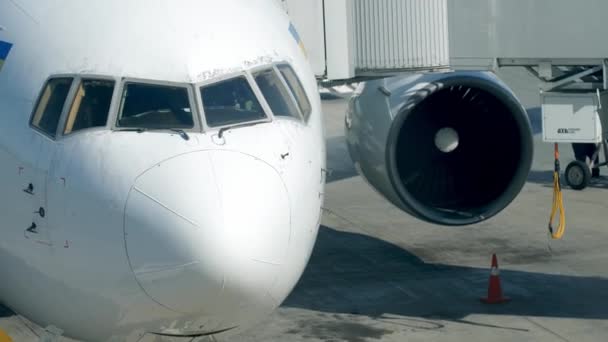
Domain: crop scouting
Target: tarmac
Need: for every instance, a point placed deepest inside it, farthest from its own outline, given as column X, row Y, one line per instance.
column 377, row 274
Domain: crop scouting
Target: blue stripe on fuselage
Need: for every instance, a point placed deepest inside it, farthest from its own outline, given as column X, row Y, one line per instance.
column 5, row 48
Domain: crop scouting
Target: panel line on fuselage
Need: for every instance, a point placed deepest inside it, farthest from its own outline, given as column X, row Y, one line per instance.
column 166, row 207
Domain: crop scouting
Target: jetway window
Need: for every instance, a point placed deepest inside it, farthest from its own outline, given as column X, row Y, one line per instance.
column 276, row 94
column 50, row 105
column 297, row 89
column 230, row 102
column 91, row 105
column 152, row 106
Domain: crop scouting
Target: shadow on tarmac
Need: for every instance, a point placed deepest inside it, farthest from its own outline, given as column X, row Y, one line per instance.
column 338, row 160
column 360, row 275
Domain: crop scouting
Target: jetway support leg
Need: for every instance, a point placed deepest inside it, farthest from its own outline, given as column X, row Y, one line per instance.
column 571, row 78
column 565, row 76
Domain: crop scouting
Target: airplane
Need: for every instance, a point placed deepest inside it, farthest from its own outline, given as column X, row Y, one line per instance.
column 163, row 166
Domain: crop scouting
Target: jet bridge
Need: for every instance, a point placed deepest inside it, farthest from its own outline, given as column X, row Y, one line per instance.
column 561, row 42
column 347, row 40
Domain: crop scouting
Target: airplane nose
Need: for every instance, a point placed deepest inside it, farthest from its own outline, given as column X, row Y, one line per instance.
column 206, row 233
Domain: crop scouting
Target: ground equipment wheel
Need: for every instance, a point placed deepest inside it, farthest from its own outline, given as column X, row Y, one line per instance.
column 578, row 175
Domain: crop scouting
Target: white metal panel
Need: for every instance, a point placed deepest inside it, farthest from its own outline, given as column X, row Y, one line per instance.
column 571, row 118
column 307, row 16
column 339, row 42
column 400, row 34
column 483, row 30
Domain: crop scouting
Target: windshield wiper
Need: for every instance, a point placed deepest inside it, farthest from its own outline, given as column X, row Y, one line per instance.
column 179, row 131
column 241, row 125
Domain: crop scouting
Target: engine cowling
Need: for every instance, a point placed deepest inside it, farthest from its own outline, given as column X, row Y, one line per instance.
column 448, row 148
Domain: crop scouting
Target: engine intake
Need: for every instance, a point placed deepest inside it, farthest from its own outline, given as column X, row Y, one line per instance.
column 451, row 148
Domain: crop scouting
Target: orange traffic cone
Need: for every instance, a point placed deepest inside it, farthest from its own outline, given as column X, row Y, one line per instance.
column 494, row 289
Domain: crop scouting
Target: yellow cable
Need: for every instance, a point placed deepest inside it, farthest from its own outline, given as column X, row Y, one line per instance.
column 558, row 203
column 4, row 337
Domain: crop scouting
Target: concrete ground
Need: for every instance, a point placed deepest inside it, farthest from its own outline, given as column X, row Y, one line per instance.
column 377, row 274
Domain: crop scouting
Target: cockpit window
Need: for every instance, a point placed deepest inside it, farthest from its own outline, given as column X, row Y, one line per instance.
column 276, row 94
column 50, row 105
column 91, row 105
column 296, row 88
column 230, row 102
column 155, row 107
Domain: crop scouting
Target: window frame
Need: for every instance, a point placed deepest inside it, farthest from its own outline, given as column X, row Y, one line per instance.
column 305, row 116
column 67, row 105
column 72, row 96
column 58, row 129
column 118, row 98
column 273, row 67
column 225, row 77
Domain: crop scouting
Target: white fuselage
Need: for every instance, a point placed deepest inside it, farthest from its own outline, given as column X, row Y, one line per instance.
column 150, row 231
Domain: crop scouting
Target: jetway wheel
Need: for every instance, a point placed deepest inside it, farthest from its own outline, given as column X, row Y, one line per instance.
column 578, row 175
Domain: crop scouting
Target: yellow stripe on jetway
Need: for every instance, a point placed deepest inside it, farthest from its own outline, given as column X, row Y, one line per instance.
column 4, row 336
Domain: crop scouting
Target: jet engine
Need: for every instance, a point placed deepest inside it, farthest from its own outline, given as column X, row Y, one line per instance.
column 449, row 148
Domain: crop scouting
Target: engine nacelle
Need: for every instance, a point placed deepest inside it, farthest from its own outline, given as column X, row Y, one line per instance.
column 448, row 148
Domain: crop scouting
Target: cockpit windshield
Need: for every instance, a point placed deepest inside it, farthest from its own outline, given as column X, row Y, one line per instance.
column 153, row 106
column 276, row 94
column 231, row 102
column 248, row 98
